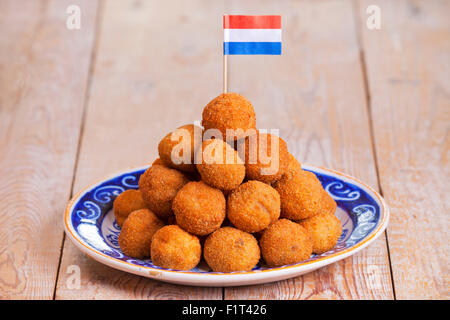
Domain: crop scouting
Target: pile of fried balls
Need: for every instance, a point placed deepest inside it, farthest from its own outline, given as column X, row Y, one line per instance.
column 233, row 213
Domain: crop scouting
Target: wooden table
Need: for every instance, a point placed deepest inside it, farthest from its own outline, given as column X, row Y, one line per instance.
column 76, row 105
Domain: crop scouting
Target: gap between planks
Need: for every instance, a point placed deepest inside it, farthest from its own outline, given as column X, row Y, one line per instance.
column 366, row 86
column 98, row 22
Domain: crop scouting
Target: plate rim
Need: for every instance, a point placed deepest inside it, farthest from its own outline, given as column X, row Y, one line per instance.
column 231, row 278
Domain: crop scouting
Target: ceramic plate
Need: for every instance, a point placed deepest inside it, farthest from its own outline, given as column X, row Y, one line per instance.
column 90, row 224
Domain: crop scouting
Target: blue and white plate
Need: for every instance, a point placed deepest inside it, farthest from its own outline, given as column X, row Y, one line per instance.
column 90, row 224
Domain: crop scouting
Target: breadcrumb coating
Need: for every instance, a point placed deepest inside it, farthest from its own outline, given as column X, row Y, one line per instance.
column 325, row 230
column 136, row 235
column 166, row 147
column 158, row 186
column 328, row 203
column 199, row 208
column 229, row 111
column 262, row 161
column 293, row 166
column 229, row 249
column 301, row 195
column 253, row 206
column 285, row 242
column 158, row 161
column 174, row 248
column 127, row 202
column 219, row 165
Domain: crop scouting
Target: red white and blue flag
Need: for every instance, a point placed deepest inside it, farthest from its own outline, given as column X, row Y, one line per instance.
column 251, row 35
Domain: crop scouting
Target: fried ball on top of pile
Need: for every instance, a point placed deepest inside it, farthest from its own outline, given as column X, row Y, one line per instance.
column 229, row 249
column 266, row 157
column 137, row 232
column 324, row 229
column 127, row 202
column 301, row 195
column 285, row 242
column 158, row 186
column 174, row 248
column 230, row 111
column 177, row 149
column 253, row 205
column 219, row 165
column 199, row 208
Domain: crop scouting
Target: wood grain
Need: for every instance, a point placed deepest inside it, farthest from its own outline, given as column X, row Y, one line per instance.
column 158, row 64
column 314, row 94
column 408, row 67
column 41, row 103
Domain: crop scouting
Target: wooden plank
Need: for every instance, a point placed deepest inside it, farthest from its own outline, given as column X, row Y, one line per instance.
column 43, row 75
column 409, row 78
column 314, row 93
column 158, row 64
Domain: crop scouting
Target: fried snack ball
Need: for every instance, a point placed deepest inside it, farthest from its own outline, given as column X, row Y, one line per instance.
column 174, row 248
column 264, row 161
column 137, row 232
column 158, row 161
column 229, row 249
column 293, row 166
column 199, row 208
column 285, row 242
column 229, row 111
column 186, row 138
column 127, row 202
column 253, row 205
column 301, row 195
column 219, row 165
column 325, row 230
column 193, row 176
column 158, row 186
column 328, row 203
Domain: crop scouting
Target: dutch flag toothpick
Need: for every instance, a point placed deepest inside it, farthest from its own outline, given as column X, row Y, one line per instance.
column 251, row 35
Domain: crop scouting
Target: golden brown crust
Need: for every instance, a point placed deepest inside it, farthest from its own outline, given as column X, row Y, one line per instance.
column 293, row 166
column 260, row 163
column 174, row 248
column 328, row 203
column 127, row 202
column 253, row 206
column 158, row 186
column 301, row 195
column 137, row 232
column 199, row 208
column 158, row 161
column 285, row 242
column 325, row 230
column 229, row 111
column 219, row 165
column 229, row 249
column 166, row 146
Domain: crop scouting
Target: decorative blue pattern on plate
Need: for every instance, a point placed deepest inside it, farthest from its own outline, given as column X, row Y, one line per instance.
column 93, row 221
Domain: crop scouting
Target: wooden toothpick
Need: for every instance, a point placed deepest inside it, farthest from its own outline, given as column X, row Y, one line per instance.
column 225, row 73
